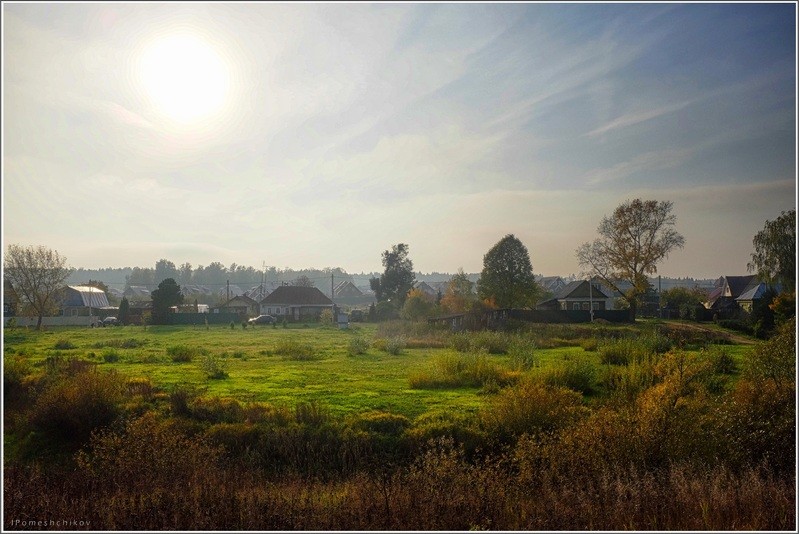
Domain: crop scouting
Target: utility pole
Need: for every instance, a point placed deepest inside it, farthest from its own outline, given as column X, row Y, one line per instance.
column 228, row 291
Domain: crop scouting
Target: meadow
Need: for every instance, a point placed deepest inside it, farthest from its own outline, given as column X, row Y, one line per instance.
column 312, row 427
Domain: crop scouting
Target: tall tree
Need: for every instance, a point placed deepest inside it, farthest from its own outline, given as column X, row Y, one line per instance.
column 37, row 275
column 507, row 275
column 774, row 258
column 632, row 241
column 165, row 269
column 184, row 273
column 398, row 278
column 167, row 295
column 123, row 316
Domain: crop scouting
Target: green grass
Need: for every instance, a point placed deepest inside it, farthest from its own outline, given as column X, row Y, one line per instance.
column 260, row 370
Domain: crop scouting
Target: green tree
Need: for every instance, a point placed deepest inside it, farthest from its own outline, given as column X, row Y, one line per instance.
column 632, row 241
column 684, row 300
column 123, row 316
column 167, row 295
column 37, row 275
column 507, row 275
column 165, row 269
column 398, row 278
column 774, row 258
column 417, row 306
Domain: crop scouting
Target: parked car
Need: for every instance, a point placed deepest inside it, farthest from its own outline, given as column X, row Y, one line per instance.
column 262, row 319
column 110, row 321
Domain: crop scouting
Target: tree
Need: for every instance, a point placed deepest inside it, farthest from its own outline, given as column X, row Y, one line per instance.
column 632, row 241
column 167, row 295
column 774, row 258
column 418, row 306
column 459, row 293
column 507, row 276
column 684, row 300
column 184, row 273
column 165, row 269
column 303, row 281
column 398, row 278
column 37, row 275
column 374, row 285
column 123, row 316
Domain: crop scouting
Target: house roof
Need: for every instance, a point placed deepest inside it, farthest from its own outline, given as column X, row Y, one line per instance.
column 244, row 299
column 297, row 295
column 579, row 289
column 347, row 288
column 737, row 285
column 86, row 296
column 753, row 293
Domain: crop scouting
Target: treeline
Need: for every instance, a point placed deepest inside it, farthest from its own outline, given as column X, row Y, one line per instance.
column 214, row 275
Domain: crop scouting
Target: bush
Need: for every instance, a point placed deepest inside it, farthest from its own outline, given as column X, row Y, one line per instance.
column 110, row 356
column 522, row 354
column 64, row 344
column 467, row 370
column 395, row 345
column 214, row 366
column 721, row 361
column 357, row 345
column 381, row 423
column 532, row 407
column 184, row 353
column 578, row 375
column 292, row 349
column 74, row 405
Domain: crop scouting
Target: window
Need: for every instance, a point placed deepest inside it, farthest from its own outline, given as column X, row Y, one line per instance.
column 576, row 306
column 277, row 311
column 586, row 306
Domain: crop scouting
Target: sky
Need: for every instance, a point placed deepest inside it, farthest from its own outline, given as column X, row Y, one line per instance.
column 319, row 135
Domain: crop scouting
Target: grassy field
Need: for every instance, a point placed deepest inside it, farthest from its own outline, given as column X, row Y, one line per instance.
column 326, row 372
column 398, row 426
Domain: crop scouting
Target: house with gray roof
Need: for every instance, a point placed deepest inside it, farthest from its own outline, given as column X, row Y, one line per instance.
column 578, row 295
column 296, row 303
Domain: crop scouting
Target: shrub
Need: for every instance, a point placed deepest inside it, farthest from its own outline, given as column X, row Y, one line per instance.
column 531, row 407
column 357, row 345
column 578, row 375
column 382, row 423
column 590, row 344
column 522, row 354
column 184, row 353
column 110, row 356
column 64, row 344
column 311, row 413
column 461, row 370
column 461, row 341
column 721, row 360
column 395, row 345
column 292, row 349
column 214, row 366
column 74, row 405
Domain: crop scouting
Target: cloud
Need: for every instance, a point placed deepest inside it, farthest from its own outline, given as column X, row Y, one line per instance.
column 648, row 162
column 631, row 119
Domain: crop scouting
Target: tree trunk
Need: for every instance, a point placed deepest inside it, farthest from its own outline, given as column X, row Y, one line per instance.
column 39, row 322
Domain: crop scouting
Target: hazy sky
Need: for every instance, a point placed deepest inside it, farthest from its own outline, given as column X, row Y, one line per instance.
column 319, row 135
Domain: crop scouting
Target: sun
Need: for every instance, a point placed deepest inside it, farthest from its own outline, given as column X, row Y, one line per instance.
column 184, row 77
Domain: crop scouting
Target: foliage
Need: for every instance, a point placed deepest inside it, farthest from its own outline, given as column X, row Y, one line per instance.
column 37, row 275
column 631, row 243
column 167, row 295
column 357, row 345
column 459, row 294
column 214, row 366
column 184, row 353
column 418, row 306
column 576, row 374
column 684, row 300
column 123, row 316
column 460, row 370
column 293, row 349
column 774, row 257
column 507, row 275
column 397, row 278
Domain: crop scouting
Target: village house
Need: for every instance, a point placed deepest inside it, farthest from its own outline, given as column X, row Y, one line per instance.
column 733, row 294
column 577, row 295
column 241, row 305
column 296, row 303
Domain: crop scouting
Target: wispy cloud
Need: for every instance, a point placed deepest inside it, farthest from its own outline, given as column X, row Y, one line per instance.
column 638, row 117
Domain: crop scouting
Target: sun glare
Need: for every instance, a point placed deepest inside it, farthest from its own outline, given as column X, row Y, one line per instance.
column 184, row 77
